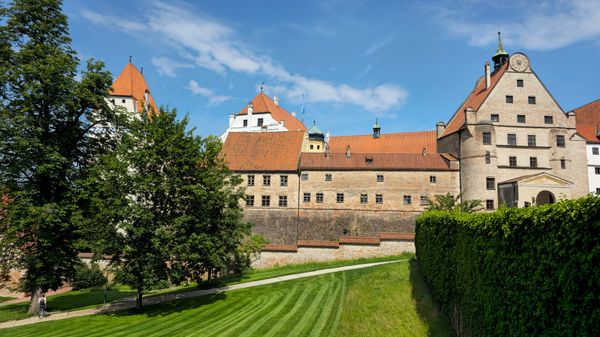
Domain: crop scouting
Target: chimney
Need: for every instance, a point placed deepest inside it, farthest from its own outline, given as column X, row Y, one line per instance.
column 231, row 119
column 250, row 110
column 348, row 154
column 488, row 80
column 327, row 137
column 276, row 100
column 142, row 70
column 439, row 129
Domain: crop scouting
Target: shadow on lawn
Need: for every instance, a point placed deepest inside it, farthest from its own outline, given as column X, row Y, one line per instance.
column 169, row 307
column 429, row 312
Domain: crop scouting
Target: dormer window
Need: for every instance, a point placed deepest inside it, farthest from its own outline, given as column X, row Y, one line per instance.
column 245, row 121
column 260, row 122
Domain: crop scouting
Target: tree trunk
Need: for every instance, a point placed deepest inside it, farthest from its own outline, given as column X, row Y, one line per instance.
column 33, row 305
column 139, row 306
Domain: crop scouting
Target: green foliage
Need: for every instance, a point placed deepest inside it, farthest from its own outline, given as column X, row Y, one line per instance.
column 448, row 202
column 88, row 277
column 515, row 272
column 247, row 250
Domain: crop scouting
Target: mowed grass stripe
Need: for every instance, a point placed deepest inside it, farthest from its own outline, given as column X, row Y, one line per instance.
column 312, row 313
column 339, row 304
column 327, row 309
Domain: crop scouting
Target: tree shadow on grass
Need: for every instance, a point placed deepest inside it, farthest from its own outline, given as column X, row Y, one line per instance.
column 169, row 307
column 429, row 312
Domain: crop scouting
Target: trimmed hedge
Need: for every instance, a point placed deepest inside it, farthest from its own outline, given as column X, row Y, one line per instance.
column 515, row 272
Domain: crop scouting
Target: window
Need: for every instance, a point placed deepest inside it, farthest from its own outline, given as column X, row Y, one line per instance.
column 527, row 204
column 364, row 199
column 520, row 118
column 122, row 101
column 379, row 198
column 318, row 147
column 380, row 178
column 597, row 170
column 563, row 164
column 512, row 161
column 520, row 83
column 311, row 146
column 266, row 180
column 340, row 198
column 495, row 118
column 306, row 197
column 511, row 138
column 283, row 201
column 560, row 141
column 407, row 200
column 595, row 151
column 488, row 158
column 266, row 201
column 112, row 101
column 487, row 138
column 304, row 177
column 432, row 179
column 424, row 200
column 249, row 200
column 260, row 122
column 531, row 140
column 245, row 122
column 283, row 180
column 328, row 177
column 490, row 183
column 531, row 99
column 251, row 180
column 489, row 204
column 548, row 120
column 509, row 99
column 597, row 190
column 533, row 162
column 319, row 197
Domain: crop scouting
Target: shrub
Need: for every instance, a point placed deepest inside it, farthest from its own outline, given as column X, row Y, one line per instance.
column 88, row 277
column 515, row 272
column 248, row 250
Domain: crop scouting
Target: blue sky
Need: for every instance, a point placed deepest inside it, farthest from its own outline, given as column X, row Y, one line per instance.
column 407, row 63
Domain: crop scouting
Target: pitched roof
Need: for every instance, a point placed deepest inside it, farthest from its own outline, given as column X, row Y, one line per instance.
column 263, row 104
column 402, row 142
column 131, row 83
column 373, row 161
column 263, row 151
column 473, row 101
column 588, row 121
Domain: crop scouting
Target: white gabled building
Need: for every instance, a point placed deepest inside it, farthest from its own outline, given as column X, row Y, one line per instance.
column 131, row 91
column 588, row 126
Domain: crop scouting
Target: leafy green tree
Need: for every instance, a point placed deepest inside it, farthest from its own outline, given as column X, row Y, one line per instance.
column 448, row 202
column 168, row 205
column 48, row 124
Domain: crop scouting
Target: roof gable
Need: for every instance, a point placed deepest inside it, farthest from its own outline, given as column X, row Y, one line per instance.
column 131, row 83
column 263, row 104
column 542, row 178
column 401, row 142
column 587, row 118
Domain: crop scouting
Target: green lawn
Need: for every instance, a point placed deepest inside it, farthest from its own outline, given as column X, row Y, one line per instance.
column 387, row 300
column 4, row 299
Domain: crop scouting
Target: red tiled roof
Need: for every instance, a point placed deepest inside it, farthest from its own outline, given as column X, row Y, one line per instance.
column 474, row 101
column 373, row 161
column 588, row 121
column 360, row 240
column 279, row 248
column 390, row 236
column 263, row 104
column 131, row 83
column 402, row 142
column 263, row 151
column 318, row 244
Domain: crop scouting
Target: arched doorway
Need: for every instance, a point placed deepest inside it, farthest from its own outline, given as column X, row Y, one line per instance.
column 544, row 197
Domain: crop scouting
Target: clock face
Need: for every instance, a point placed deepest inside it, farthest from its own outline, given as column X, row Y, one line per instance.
column 519, row 62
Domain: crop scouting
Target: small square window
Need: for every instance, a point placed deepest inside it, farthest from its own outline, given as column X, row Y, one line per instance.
column 490, row 183
column 520, row 84
column 259, row 122
column 563, row 164
column 249, row 200
column 266, row 180
column 432, row 179
column 318, row 147
column 595, row 151
column 380, row 178
column 597, row 190
column 424, row 200
column 251, row 180
column 304, row 176
column 511, row 138
column 245, row 122
column 527, row 204
column 531, row 140
column 122, row 101
column 379, row 198
column 509, row 99
column 311, row 146
column 407, row 199
column 533, row 162
column 306, row 197
column 597, row 170
column 489, row 204
column 531, row 99
column 328, row 177
column 283, row 201
column 488, row 158
column 560, row 141
column 495, row 118
column 364, row 199
column 487, row 138
column 548, row 120
column 283, row 180
column 266, row 201
column 520, row 118
column 339, row 198
column 319, row 197
column 512, row 161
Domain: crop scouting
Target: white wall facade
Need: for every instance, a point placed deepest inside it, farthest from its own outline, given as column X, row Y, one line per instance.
column 593, row 164
column 124, row 101
column 269, row 124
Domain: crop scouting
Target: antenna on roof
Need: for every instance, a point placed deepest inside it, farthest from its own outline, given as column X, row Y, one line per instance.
column 129, row 58
column 142, row 70
column 302, row 110
column 262, row 86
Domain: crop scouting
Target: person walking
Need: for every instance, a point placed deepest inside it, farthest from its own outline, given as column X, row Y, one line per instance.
column 42, row 306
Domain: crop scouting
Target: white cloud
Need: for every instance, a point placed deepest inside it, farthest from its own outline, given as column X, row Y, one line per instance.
column 212, row 45
column 120, row 23
column 167, row 66
column 375, row 47
column 213, row 99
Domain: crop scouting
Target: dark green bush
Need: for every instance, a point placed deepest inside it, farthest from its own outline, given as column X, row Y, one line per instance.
column 88, row 277
column 515, row 272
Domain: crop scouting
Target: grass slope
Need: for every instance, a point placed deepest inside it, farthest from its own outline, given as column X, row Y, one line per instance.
column 376, row 301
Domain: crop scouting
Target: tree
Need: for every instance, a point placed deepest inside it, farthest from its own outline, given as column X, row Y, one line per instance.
column 48, row 123
column 168, row 206
column 448, row 202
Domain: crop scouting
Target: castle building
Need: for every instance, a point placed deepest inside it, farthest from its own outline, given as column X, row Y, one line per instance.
column 131, row 91
column 588, row 126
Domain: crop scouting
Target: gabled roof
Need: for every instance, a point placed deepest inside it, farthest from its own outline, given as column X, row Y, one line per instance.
column 263, row 104
column 131, row 83
column 536, row 176
column 473, row 101
column 263, row 151
column 588, row 121
column 402, row 142
column 373, row 161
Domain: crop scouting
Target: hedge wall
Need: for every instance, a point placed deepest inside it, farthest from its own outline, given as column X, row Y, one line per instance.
column 515, row 272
